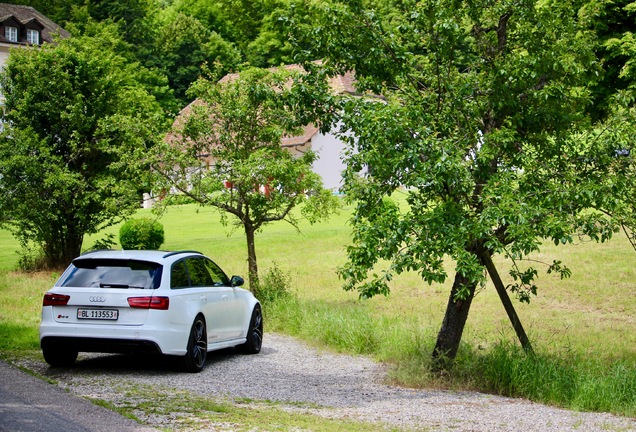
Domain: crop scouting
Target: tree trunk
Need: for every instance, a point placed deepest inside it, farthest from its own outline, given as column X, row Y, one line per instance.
column 252, row 265
column 60, row 251
column 450, row 335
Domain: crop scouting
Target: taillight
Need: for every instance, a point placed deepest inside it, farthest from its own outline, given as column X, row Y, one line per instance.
column 160, row 303
column 52, row 299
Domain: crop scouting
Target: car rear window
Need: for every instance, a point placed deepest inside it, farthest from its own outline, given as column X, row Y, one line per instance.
column 112, row 273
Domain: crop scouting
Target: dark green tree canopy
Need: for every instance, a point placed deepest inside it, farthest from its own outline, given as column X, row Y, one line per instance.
column 185, row 47
column 613, row 25
column 135, row 18
column 76, row 121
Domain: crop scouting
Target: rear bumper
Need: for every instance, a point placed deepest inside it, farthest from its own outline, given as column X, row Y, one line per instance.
column 107, row 338
column 101, row 345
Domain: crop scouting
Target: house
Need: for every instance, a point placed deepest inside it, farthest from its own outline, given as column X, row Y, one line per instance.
column 23, row 26
column 328, row 148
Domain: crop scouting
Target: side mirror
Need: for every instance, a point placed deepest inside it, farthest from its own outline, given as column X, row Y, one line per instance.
column 237, row 281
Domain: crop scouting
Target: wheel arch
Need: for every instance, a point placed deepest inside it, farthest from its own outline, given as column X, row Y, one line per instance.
column 247, row 318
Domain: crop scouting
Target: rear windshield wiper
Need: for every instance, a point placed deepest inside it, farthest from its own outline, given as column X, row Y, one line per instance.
column 115, row 285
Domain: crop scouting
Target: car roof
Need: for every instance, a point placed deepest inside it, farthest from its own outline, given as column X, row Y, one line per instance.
column 144, row 255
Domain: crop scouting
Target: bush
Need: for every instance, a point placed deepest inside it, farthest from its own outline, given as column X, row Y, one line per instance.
column 273, row 286
column 32, row 260
column 141, row 233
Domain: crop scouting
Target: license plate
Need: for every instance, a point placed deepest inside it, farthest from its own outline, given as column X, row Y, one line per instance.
column 98, row 314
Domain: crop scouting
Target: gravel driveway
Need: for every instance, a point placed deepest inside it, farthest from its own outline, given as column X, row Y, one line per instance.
column 326, row 384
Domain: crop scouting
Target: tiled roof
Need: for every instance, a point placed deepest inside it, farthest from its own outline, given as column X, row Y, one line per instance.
column 308, row 132
column 341, row 84
column 25, row 14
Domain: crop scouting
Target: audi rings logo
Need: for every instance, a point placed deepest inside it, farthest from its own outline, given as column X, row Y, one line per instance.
column 97, row 299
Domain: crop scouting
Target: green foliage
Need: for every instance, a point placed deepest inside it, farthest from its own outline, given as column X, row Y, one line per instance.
column 183, row 48
column 77, row 129
column 145, row 73
column 473, row 127
column 32, row 260
column 177, row 199
column 133, row 17
column 612, row 23
column 143, row 233
column 59, row 11
column 484, row 127
column 275, row 285
column 104, row 243
column 226, row 153
column 233, row 19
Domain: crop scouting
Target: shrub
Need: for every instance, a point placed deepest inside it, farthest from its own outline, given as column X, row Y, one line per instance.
column 32, row 260
column 273, row 286
column 141, row 233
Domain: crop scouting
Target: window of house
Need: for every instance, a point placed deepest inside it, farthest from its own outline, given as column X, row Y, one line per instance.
column 33, row 37
column 11, row 34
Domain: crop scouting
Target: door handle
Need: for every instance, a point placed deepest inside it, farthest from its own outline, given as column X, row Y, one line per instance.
column 224, row 298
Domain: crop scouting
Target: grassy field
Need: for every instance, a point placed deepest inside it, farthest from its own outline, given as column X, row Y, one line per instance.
column 583, row 328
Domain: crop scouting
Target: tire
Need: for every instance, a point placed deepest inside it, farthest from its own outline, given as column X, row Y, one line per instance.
column 254, row 333
column 59, row 357
column 197, row 349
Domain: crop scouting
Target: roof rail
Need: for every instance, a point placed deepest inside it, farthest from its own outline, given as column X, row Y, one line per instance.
column 181, row 252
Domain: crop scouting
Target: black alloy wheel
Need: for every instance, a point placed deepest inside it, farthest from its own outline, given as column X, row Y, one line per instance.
column 197, row 350
column 254, row 333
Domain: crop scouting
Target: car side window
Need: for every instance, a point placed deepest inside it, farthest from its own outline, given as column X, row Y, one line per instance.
column 179, row 276
column 199, row 274
column 219, row 278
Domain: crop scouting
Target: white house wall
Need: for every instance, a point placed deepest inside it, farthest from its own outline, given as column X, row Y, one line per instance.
column 329, row 164
column 4, row 54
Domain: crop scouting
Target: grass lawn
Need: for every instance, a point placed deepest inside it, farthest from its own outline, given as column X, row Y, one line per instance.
column 582, row 328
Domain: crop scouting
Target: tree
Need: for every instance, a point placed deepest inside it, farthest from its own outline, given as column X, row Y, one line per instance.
column 483, row 132
column 613, row 24
column 75, row 123
column 151, row 77
column 236, row 126
column 270, row 47
column 184, row 47
column 250, row 25
column 135, row 18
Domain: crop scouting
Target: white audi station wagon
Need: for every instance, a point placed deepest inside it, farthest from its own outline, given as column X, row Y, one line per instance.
column 173, row 303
